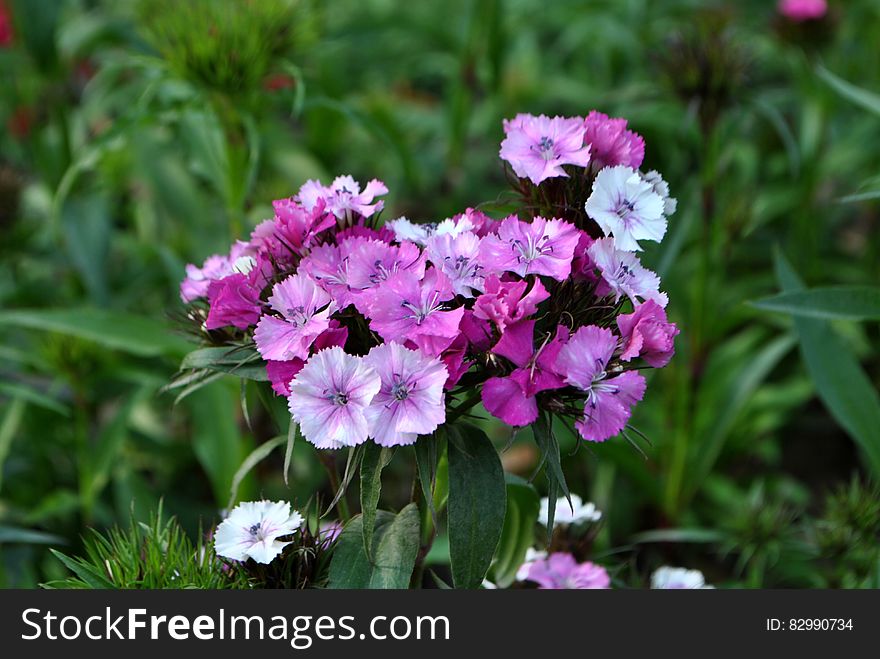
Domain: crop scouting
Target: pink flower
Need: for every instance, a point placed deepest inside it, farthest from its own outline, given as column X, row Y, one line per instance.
column 292, row 231
column 327, row 265
column 410, row 401
column 623, row 274
column 329, row 398
column 538, row 147
column 458, row 258
column 611, row 143
column 371, row 262
column 647, row 334
column 512, row 398
column 305, row 309
column 583, row 361
column 506, row 302
column 405, row 308
column 454, row 357
column 561, row 571
column 480, row 223
column 542, row 247
column 582, row 266
column 281, row 373
column 344, row 196
column 235, row 301
column 803, row 10
column 195, row 284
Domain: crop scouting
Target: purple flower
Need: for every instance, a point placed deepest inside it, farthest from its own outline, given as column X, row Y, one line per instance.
column 458, row 258
column 803, row 10
column 623, row 274
column 235, row 300
column 542, row 247
column 371, row 262
column 410, row 401
column 512, row 398
column 327, row 265
column 611, row 143
column 506, row 302
column 405, row 308
column 344, row 196
column 625, row 205
column 561, row 571
column 195, row 284
column 583, row 361
column 281, row 373
column 329, row 398
column 647, row 334
column 305, row 310
column 538, row 147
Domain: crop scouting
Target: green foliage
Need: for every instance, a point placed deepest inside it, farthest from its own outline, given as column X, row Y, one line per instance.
column 518, row 533
column 147, row 556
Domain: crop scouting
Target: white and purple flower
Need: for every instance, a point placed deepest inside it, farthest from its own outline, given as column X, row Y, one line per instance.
column 253, row 528
column 305, row 309
column 538, row 147
column 626, row 206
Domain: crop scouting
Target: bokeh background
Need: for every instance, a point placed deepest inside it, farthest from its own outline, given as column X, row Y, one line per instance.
column 138, row 135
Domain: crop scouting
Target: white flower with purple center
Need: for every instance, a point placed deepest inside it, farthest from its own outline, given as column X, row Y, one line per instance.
column 421, row 233
column 540, row 247
column 253, row 528
column 305, row 309
column 678, row 578
column 410, row 401
column 626, row 206
column 329, row 398
column 566, row 513
column 623, row 274
column 458, row 258
column 583, row 361
column 538, row 147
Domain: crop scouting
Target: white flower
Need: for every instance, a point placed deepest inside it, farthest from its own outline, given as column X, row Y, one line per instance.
column 577, row 512
column 670, row 204
column 253, row 528
column 532, row 555
column 678, row 578
column 626, row 206
column 420, row 233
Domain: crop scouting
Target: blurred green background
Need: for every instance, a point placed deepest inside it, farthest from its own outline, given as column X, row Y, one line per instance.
column 138, row 135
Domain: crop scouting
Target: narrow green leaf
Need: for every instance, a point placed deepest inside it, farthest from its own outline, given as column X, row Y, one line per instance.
column 8, row 429
column 85, row 572
column 679, row 535
column 842, row 385
column 426, row 463
column 117, row 330
column 831, row 302
column 16, row 390
column 518, row 533
column 374, row 461
column 868, row 100
column 477, row 503
column 288, row 451
column 254, row 458
column 546, row 440
column 14, row 534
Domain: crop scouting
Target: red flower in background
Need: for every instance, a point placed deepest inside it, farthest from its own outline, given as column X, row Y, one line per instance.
column 6, row 33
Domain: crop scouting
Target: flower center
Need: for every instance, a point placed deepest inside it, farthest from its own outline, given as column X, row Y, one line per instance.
column 298, row 315
column 624, row 208
column 423, row 310
column 400, row 391
column 532, row 248
column 545, row 148
column 463, row 267
column 256, row 531
column 380, row 272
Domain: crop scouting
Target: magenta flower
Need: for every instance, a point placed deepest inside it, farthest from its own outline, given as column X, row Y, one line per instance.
column 458, row 258
column 583, row 361
column 623, row 274
column 506, row 302
column 371, row 262
column 405, row 308
column 582, row 266
column 803, row 10
column 195, row 284
column 305, row 309
column 560, row 571
column 454, row 357
column 542, row 247
column 234, row 301
column 611, row 143
column 344, row 196
column 327, row 265
column 410, row 401
column 538, row 147
column 647, row 334
column 512, row 398
column 625, row 205
column 329, row 398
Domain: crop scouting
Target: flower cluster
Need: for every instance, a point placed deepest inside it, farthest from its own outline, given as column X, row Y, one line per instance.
column 377, row 330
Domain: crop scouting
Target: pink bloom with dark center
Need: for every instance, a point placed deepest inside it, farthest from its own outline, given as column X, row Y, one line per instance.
column 611, row 143
column 540, row 247
column 561, row 571
column 458, row 258
column 305, row 312
column 646, row 333
column 538, row 147
column 512, row 398
column 280, row 373
column 344, row 197
column 623, row 274
column 583, row 362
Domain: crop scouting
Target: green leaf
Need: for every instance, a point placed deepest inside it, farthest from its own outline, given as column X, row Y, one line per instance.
column 546, row 440
column 374, row 461
column 477, row 503
column 252, row 460
column 288, row 449
column 679, row 535
column 116, row 330
column 830, row 302
column 861, row 97
column 87, row 573
column 426, row 463
column 842, row 385
column 518, row 533
column 16, row 390
column 395, row 546
column 10, row 534
column 8, row 429
column 244, row 363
